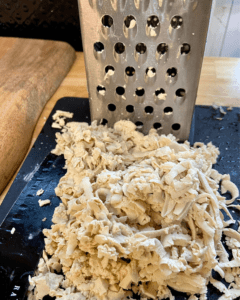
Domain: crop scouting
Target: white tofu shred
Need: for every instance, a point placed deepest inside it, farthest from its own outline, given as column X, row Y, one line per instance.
column 43, row 202
column 139, row 214
column 222, row 111
column 40, row 192
column 59, row 118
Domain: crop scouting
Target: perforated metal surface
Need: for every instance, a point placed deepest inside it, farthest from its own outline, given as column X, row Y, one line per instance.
column 143, row 60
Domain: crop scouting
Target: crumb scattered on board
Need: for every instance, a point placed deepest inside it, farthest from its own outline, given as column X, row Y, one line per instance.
column 137, row 209
column 13, row 230
column 43, row 202
column 44, row 219
column 215, row 106
column 221, row 110
column 40, row 192
column 59, row 118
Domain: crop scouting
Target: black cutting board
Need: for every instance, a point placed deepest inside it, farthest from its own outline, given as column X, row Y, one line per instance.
column 20, row 252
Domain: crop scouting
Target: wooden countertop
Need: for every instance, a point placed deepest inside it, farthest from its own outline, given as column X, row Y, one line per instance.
column 219, row 83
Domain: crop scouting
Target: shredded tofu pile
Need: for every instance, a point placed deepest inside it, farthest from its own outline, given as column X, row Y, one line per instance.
column 139, row 214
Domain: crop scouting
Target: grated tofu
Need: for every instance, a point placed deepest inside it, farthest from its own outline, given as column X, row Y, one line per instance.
column 40, row 192
column 151, row 72
column 215, row 106
column 152, row 31
column 59, row 118
column 137, row 209
column 132, row 24
column 43, row 202
column 222, row 111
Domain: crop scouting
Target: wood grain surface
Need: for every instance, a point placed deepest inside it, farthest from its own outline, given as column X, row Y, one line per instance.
column 30, row 73
column 219, row 83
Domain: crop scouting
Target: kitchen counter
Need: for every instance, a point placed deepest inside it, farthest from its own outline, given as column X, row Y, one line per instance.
column 219, row 84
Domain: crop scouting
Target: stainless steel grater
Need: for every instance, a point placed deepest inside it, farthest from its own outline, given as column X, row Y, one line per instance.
column 143, row 60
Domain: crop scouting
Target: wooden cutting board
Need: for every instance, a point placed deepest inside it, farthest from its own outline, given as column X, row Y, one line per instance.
column 30, row 73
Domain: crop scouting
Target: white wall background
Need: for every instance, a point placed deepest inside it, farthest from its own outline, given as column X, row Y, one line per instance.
column 224, row 29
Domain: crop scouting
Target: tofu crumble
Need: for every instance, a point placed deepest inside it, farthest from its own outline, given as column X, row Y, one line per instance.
column 139, row 214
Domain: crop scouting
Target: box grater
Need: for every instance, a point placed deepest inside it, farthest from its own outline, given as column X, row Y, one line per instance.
column 143, row 60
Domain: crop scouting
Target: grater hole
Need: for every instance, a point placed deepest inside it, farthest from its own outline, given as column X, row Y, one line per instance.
column 139, row 124
column 120, row 90
column 107, row 21
column 160, row 94
column 130, row 71
column 98, row 47
column 180, row 93
column 109, row 70
column 157, row 125
column 168, row 110
column 176, row 22
column 119, row 48
column 141, row 48
column 111, row 107
column 101, row 90
column 150, row 72
column 149, row 110
column 130, row 108
column 103, row 122
column 152, row 21
column 162, row 48
column 130, row 22
column 185, row 49
column 172, row 72
column 140, row 92
column 176, row 126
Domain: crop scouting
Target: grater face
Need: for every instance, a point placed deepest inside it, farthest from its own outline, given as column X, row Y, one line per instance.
column 143, row 60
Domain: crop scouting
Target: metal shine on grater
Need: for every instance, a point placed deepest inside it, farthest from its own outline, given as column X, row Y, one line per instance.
column 143, row 60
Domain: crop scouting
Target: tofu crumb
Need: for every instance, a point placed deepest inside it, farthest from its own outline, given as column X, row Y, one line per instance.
column 162, row 96
column 215, row 106
column 229, row 108
column 151, row 72
column 152, row 31
column 13, row 230
column 222, row 111
column 59, row 118
column 44, row 219
column 137, row 209
column 56, row 125
column 220, row 119
column 62, row 114
column 40, row 192
column 102, row 92
column 43, row 202
column 109, row 74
